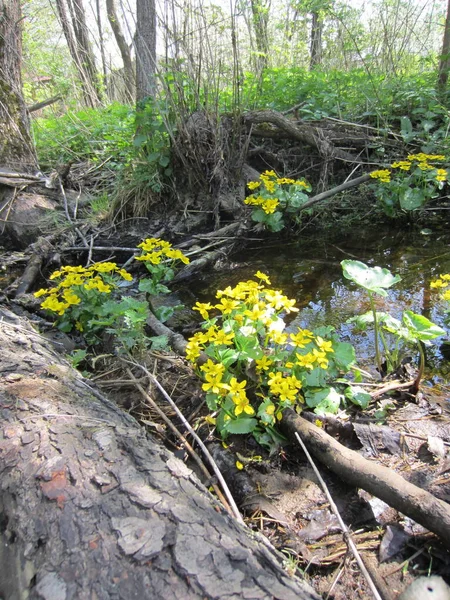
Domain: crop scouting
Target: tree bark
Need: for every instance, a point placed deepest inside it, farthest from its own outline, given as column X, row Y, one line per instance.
column 92, row 507
column 76, row 35
column 382, row 482
column 145, row 41
column 16, row 147
column 260, row 17
column 316, row 40
column 125, row 53
column 444, row 63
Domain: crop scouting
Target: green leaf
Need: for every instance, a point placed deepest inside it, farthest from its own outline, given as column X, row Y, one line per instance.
column 358, row 396
column 211, row 401
column 325, row 400
column 159, row 342
column 147, row 285
column 373, row 279
column 241, row 426
column 344, row 355
column 164, row 313
column 421, row 328
column 227, row 356
column 412, row 199
column 164, row 161
column 315, row 378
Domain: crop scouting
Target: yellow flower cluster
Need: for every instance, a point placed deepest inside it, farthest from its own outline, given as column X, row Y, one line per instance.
column 269, row 205
column 421, row 161
column 213, row 374
column 441, row 284
column 270, row 182
column 73, row 280
column 384, row 175
column 154, row 250
column 249, row 303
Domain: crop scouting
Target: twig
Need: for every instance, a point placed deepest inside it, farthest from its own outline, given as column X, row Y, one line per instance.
column 197, row 439
column 351, row 545
column 390, row 387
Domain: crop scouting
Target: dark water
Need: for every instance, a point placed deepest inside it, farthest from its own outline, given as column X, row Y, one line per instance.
column 309, row 270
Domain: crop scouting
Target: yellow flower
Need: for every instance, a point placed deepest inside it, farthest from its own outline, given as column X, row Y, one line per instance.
column 213, row 383
column 192, row 350
column 321, row 358
column 263, row 364
column 384, row 175
column 324, row 345
column 441, row 175
column 306, row 360
column 221, row 337
column 203, row 308
column 269, row 206
column 40, row 293
column 438, row 284
column 71, row 298
column 210, row 420
column 212, row 367
column 125, row 275
column 302, row 337
column 277, row 337
column 227, row 305
column 239, row 465
column 242, row 405
column 236, row 388
column 446, row 296
column 263, row 277
column 253, row 185
column 105, row 267
column 404, row 165
column 270, row 409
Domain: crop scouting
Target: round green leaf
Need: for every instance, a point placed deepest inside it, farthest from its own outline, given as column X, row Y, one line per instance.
column 373, row 279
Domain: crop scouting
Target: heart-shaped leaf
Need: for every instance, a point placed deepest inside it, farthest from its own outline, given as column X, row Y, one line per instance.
column 373, row 279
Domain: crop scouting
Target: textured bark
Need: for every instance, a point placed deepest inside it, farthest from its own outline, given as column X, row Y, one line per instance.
column 260, row 17
column 92, row 508
column 125, row 53
column 444, row 63
column 316, row 40
column 75, row 32
column 16, row 146
column 145, row 42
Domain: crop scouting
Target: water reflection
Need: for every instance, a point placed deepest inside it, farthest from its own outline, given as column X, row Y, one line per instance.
column 310, row 272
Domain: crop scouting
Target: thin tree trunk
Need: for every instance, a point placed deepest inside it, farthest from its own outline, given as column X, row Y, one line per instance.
column 125, row 53
column 145, row 42
column 444, row 63
column 260, row 14
column 93, row 507
column 101, row 37
column 16, row 146
column 316, row 40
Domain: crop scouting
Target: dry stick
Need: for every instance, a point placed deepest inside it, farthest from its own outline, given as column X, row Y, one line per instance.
column 343, row 526
column 334, row 191
column 179, row 435
column 382, row 482
column 390, row 387
column 198, row 440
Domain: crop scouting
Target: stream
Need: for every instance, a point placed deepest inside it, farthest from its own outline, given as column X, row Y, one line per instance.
column 309, row 270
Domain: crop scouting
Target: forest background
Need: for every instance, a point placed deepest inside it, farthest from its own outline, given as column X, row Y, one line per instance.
column 379, row 64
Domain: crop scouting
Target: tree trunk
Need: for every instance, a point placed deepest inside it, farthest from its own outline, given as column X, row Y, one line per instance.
column 145, row 41
column 316, row 40
column 444, row 63
column 260, row 14
column 16, row 147
column 128, row 67
column 82, row 57
column 92, row 507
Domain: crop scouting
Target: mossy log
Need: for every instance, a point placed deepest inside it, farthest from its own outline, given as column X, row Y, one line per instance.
column 91, row 507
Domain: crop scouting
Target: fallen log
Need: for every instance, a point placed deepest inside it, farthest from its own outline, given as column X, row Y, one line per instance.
column 93, row 507
column 382, row 482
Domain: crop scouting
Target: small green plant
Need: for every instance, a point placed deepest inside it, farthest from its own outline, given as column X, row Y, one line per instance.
column 374, row 280
column 408, row 184
column 255, row 370
column 160, row 259
column 275, row 198
column 80, row 293
column 412, row 329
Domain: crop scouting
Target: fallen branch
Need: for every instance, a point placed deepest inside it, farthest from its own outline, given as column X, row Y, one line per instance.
column 412, row 501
